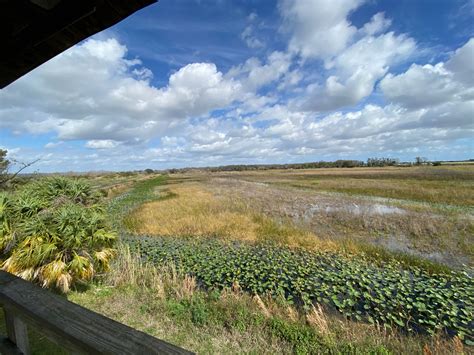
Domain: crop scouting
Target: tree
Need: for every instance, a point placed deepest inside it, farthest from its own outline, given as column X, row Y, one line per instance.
column 5, row 164
column 420, row 160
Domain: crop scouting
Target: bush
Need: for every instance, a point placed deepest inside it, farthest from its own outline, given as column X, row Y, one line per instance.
column 54, row 231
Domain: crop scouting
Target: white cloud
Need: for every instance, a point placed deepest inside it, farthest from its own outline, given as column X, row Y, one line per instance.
column 357, row 70
column 462, row 63
column 50, row 145
column 254, row 74
column 273, row 108
column 432, row 85
column 410, row 88
column 378, row 23
column 318, row 28
column 101, row 144
column 249, row 38
column 93, row 92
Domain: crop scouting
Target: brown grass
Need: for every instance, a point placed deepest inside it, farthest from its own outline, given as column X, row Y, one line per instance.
column 447, row 184
column 436, row 191
column 317, row 319
column 195, row 211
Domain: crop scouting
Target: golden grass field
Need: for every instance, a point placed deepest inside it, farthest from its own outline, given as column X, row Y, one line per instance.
column 194, row 211
column 423, row 211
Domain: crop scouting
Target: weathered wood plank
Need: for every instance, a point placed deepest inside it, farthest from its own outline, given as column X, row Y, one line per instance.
column 6, row 277
column 74, row 327
column 17, row 331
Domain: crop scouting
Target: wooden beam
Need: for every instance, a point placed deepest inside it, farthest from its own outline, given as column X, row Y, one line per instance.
column 17, row 332
column 72, row 326
column 34, row 31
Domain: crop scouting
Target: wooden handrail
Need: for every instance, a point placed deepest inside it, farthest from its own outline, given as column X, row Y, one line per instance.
column 69, row 325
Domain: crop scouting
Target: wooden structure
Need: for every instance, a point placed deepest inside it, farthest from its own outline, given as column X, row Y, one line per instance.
column 34, row 31
column 69, row 325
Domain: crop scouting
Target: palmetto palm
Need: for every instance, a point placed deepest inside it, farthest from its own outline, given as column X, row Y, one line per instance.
column 54, row 232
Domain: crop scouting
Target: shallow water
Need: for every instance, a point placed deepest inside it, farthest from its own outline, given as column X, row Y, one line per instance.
column 353, row 208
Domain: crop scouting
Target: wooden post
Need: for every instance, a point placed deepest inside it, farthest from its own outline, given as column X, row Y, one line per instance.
column 17, row 331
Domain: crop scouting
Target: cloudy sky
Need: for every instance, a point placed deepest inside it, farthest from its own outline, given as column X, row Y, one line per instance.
column 200, row 83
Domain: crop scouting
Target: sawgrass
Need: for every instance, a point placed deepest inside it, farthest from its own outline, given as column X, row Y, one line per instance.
column 192, row 211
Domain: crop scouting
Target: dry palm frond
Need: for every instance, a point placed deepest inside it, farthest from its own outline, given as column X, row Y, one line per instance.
column 104, row 256
column 64, row 282
column 81, row 267
column 51, row 272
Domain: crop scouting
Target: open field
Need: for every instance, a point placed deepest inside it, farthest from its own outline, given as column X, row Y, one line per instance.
column 351, row 208
column 451, row 185
column 282, row 262
column 258, row 209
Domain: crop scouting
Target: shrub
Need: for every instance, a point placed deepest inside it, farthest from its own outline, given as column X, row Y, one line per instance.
column 54, row 231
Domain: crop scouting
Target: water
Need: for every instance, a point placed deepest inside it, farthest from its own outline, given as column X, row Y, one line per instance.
column 356, row 209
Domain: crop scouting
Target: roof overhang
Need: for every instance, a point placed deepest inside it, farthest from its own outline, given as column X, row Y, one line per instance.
column 34, row 31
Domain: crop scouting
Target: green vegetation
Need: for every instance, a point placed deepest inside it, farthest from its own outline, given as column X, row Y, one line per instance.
column 262, row 284
column 55, row 232
column 141, row 192
column 170, row 305
column 385, row 294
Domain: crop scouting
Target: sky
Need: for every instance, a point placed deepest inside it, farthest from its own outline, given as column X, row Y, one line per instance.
column 186, row 83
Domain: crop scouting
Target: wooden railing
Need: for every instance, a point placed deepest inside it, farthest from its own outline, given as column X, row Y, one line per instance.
column 69, row 325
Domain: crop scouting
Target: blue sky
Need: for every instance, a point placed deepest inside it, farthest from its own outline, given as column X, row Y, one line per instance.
column 199, row 83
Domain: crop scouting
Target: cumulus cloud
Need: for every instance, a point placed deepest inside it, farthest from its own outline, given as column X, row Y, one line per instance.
column 432, row 85
column 101, row 144
column 318, row 28
column 378, row 23
column 275, row 107
column 94, row 92
column 461, row 64
column 254, row 74
column 357, row 69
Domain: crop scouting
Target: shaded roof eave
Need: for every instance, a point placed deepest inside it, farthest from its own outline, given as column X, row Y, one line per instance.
column 34, row 31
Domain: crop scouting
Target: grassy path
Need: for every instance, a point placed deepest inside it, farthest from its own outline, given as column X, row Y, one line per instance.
column 141, row 192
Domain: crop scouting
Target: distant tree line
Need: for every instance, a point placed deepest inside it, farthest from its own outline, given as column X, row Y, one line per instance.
column 341, row 163
column 311, row 165
column 382, row 162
